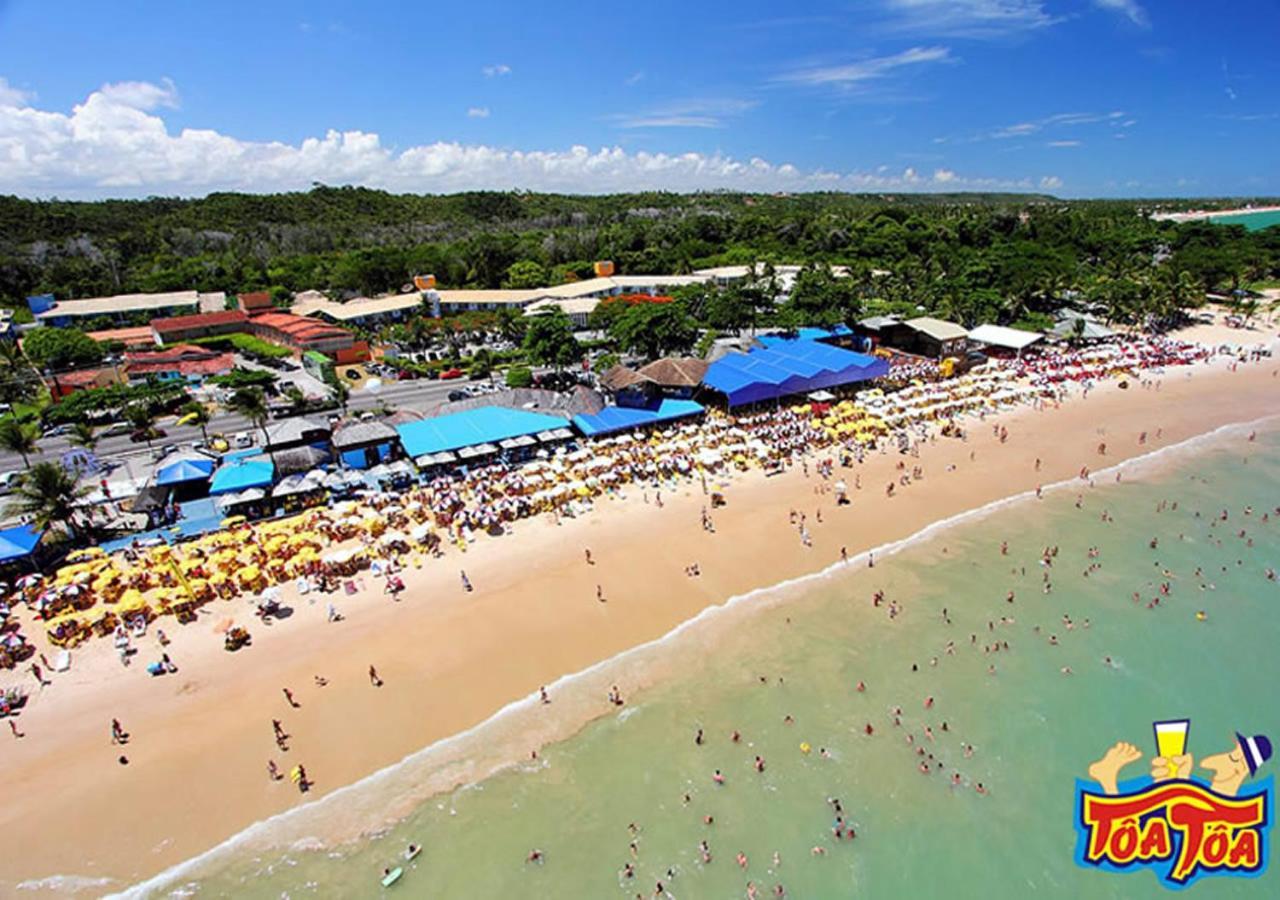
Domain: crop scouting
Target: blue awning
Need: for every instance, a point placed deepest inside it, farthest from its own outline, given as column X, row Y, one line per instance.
column 18, row 542
column 243, row 474
column 621, row 418
column 184, row 470
column 789, row 367
column 485, row 425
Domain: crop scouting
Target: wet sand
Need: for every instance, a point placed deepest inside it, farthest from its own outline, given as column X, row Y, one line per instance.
column 449, row 659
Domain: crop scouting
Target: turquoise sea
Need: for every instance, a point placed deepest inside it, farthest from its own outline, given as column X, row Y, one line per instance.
column 800, row 651
column 1253, row 221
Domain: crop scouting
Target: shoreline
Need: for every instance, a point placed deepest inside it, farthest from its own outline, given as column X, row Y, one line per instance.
column 707, row 617
column 1197, row 214
column 542, row 632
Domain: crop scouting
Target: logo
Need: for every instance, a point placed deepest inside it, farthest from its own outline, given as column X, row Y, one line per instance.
column 1181, row 828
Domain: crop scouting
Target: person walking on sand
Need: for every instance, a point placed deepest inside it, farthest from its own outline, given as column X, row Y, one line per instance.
column 587, row 553
column 118, row 734
column 273, row 771
column 600, row 594
column 373, row 677
column 466, row 582
column 13, row 726
column 288, row 695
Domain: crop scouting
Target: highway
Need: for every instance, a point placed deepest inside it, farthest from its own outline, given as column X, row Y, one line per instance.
column 420, row 396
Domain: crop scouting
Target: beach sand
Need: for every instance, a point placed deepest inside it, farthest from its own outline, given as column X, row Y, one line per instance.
column 450, row 659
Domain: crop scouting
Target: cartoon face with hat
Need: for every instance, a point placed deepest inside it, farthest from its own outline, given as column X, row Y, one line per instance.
column 1242, row 761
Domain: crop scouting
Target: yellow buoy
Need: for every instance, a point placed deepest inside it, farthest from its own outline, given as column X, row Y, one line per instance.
column 805, row 748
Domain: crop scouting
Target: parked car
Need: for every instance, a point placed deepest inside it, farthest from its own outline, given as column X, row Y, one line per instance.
column 141, row 434
column 58, row 430
column 9, row 481
column 161, row 452
column 455, row 396
column 242, row 440
column 115, row 429
column 449, row 374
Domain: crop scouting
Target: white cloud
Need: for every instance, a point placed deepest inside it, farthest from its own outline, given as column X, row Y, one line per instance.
column 141, row 94
column 856, row 73
column 13, row 96
column 477, row 112
column 1050, row 183
column 495, row 70
column 979, row 19
column 1130, row 9
column 1064, row 143
column 633, row 79
column 108, row 146
column 1034, row 126
column 703, row 112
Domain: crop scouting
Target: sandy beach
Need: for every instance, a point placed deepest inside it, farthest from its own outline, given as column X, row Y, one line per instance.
column 448, row 659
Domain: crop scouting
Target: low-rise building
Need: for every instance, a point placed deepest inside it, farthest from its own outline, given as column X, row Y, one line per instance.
column 362, row 311
column 926, row 336
column 300, row 333
column 185, row 328
column 122, row 308
column 180, row 362
column 578, row 309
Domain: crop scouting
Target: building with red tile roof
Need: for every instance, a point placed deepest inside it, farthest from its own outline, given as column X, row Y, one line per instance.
column 184, row 328
column 300, row 333
column 183, row 361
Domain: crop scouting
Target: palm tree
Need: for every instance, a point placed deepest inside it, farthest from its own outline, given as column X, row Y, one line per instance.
column 18, row 437
column 47, row 494
column 139, row 415
column 252, row 404
column 83, row 435
column 196, row 413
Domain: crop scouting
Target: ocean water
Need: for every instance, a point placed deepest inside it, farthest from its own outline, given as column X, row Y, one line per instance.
column 1252, row 221
column 781, row 669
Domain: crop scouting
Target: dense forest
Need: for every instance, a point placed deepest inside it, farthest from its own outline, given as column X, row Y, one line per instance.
column 970, row 257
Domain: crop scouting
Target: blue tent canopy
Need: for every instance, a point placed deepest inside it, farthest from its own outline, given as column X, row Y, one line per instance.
column 184, row 470
column 804, row 334
column 242, row 474
column 789, row 367
column 621, row 418
column 18, row 542
column 487, row 424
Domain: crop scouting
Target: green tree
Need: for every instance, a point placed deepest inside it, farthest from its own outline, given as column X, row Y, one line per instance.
column 655, row 329
column 821, row 298
column 61, row 348
column 549, row 340
column 18, row 437
column 525, row 274
column 251, row 403
column 47, row 494
column 519, row 377
column 143, row 420
column 196, row 413
column 511, row 324
column 83, row 435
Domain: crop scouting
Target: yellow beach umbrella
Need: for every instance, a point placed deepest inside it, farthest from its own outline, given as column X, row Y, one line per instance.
column 231, row 521
column 133, row 604
column 86, row 553
column 250, row 573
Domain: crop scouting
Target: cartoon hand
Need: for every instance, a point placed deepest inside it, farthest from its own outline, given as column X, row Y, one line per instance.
column 1106, row 770
column 1163, row 769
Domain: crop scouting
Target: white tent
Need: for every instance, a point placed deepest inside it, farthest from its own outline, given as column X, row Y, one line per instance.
column 1009, row 338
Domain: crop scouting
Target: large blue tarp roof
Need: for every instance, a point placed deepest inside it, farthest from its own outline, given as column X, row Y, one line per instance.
column 242, row 474
column 18, row 542
column 487, row 424
column 789, row 367
column 620, row 418
column 183, row 470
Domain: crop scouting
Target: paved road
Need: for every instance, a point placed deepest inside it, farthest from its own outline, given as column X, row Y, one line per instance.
column 419, row 395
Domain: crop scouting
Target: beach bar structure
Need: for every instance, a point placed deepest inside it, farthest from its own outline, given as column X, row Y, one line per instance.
column 242, row 474
column 475, row 433
column 19, row 544
column 1002, row 338
column 788, row 368
column 625, row 418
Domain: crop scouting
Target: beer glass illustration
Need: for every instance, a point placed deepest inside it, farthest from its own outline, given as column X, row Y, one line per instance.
column 1171, row 740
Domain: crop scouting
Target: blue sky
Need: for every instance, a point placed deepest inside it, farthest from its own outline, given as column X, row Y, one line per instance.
column 1076, row 97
